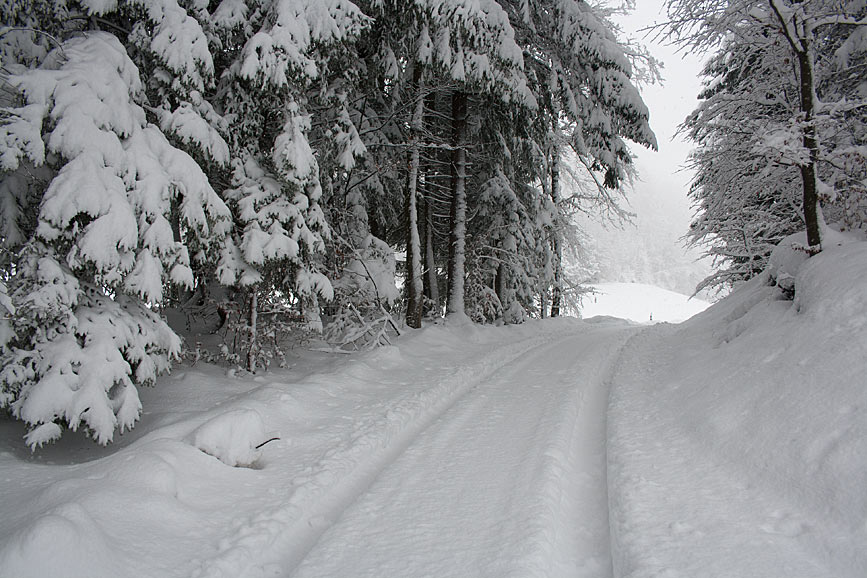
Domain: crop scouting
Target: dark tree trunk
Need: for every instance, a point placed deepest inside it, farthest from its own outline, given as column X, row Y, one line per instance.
column 801, row 46
column 808, row 170
column 500, row 284
column 557, row 289
column 253, row 349
column 431, row 283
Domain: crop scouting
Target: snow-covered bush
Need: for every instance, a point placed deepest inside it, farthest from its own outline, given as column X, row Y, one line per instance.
column 78, row 354
column 280, row 326
column 365, row 292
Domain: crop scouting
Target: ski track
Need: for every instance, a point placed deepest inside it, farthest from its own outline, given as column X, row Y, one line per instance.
column 273, row 541
column 492, row 487
column 510, row 426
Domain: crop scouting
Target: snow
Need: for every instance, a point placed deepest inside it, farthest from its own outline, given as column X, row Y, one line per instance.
column 743, row 431
column 640, row 303
column 732, row 444
column 235, row 437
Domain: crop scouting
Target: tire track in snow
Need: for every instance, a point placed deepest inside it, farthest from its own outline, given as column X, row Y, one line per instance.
column 508, row 481
column 270, row 543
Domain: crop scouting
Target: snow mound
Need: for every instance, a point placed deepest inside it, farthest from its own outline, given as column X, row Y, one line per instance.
column 785, row 260
column 72, row 538
column 234, row 437
column 146, row 471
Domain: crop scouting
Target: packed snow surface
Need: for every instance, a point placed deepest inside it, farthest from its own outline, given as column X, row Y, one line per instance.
column 732, row 445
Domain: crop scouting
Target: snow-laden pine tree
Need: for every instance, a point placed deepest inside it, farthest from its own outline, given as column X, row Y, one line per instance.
column 485, row 56
column 581, row 76
column 425, row 60
column 473, row 47
column 94, row 249
column 373, row 200
column 286, row 65
column 819, row 47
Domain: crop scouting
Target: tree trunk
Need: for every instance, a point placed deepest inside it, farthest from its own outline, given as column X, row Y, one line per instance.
column 431, row 283
column 253, row 349
column 432, row 178
column 500, row 283
column 557, row 290
column 799, row 38
column 458, row 229
column 415, row 297
column 808, row 170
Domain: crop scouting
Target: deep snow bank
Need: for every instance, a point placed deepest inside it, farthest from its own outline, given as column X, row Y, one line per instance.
column 738, row 440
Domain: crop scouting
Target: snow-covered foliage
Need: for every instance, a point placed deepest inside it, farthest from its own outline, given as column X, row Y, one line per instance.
column 365, row 294
column 585, row 75
column 780, row 131
column 102, row 244
column 275, row 229
column 112, row 199
column 152, row 150
column 370, row 273
column 473, row 41
column 77, row 355
column 512, row 253
column 284, row 48
column 281, row 73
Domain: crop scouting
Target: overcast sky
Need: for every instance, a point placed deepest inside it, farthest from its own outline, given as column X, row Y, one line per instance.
column 669, row 102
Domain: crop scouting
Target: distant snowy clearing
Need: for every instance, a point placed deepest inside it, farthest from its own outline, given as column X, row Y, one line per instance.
column 640, row 303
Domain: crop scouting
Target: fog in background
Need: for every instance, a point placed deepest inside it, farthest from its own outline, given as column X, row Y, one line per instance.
column 652, row 250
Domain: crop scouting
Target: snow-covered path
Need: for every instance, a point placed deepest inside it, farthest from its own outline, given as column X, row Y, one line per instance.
column 509, row 481
column 730, row 446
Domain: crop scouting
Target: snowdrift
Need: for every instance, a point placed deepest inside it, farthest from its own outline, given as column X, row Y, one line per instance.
column 738, row 440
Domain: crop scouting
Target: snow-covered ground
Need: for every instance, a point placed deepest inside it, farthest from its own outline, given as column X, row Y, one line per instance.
column 734, row 444
column 640, row 302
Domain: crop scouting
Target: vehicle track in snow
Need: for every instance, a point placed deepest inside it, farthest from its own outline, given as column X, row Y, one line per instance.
column 508, row 480
column 270, row 541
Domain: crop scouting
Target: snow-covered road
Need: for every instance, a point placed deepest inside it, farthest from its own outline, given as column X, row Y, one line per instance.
column 508, row 481
column 730, row 446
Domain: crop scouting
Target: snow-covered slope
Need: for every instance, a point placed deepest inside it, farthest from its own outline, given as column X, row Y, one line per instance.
column 738, row 440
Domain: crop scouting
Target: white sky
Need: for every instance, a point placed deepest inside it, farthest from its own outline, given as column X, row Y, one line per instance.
column 669, row 103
